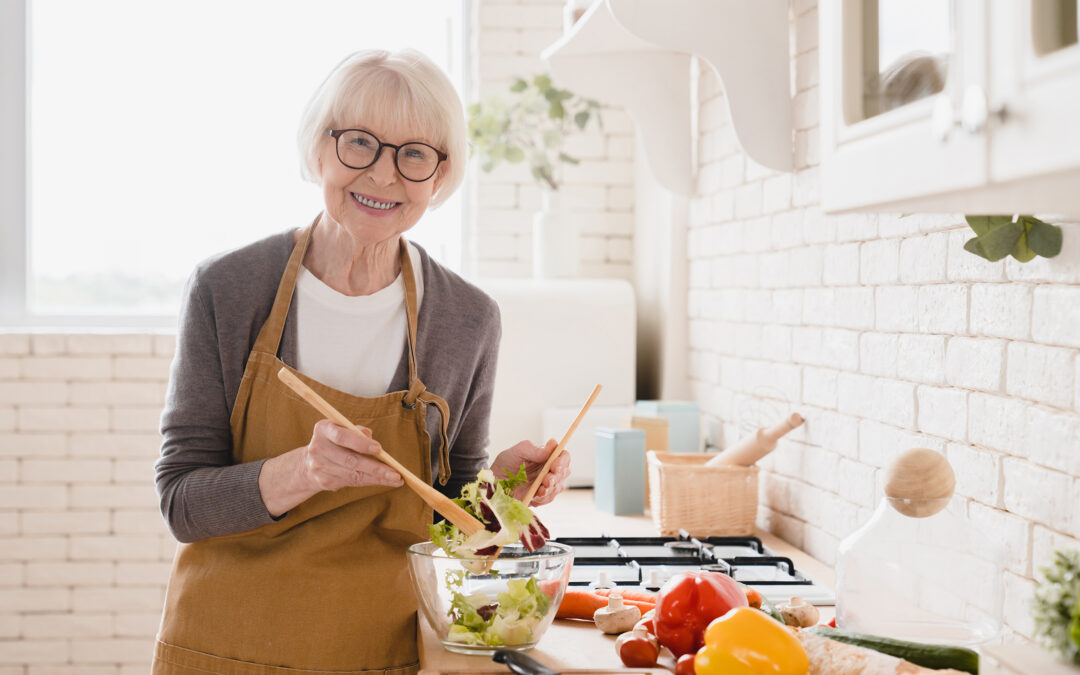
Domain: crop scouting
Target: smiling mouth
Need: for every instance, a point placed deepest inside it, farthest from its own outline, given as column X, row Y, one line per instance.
column 372, row 203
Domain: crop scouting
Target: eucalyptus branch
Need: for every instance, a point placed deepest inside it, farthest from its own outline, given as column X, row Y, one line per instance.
column 530, row 124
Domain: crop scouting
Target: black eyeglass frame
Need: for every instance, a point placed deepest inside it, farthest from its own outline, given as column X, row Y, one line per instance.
column 336, row 135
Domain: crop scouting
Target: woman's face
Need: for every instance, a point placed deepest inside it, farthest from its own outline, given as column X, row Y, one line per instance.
column 376, row 203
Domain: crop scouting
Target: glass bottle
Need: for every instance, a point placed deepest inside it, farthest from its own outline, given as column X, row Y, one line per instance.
column 918, row 570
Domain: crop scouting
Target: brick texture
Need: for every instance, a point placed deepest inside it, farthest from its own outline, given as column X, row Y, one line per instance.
column 902, row 339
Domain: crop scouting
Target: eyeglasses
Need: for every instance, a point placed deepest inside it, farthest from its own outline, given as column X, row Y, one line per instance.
column 359, row 149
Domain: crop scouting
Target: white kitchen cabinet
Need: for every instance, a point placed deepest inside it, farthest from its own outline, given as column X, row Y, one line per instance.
column 968, row 105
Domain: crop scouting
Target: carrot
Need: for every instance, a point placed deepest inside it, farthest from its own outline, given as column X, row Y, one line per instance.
column 580, row 605
column 629, row 594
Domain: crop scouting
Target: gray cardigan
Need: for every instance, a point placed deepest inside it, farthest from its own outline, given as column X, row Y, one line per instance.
column 227, row 300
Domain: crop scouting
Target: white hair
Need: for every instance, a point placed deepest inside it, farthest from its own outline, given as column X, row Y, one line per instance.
column 403, row 86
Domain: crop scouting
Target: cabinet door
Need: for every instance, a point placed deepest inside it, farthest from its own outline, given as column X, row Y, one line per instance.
column 1035, row 61
column 893, row 76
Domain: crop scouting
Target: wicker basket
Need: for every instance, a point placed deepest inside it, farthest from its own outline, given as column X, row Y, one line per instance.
column 703, row 500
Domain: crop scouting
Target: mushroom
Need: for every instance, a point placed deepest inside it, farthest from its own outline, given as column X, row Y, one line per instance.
column 798, row 613
column 616, row 617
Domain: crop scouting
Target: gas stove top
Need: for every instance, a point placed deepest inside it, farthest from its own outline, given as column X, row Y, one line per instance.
column 647, row 562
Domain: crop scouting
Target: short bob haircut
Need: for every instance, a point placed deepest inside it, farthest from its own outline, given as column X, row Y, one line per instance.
column 403, row 86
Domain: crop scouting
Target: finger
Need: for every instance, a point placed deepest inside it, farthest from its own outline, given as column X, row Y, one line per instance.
column 335, row 460
column 347, row 438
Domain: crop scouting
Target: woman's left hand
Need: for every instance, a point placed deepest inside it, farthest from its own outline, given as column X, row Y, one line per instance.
column 534, row 456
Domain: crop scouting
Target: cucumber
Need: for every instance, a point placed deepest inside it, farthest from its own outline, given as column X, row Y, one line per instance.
column 919, row 653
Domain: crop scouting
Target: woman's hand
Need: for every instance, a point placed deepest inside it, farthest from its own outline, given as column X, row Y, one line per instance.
column 534, row 456
column 337, row 457
column 334, row 458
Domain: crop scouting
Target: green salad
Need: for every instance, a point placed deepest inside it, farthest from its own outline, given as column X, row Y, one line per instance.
column 510, row 616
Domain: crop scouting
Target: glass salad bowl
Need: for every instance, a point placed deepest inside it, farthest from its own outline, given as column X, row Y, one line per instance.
column 477, row 605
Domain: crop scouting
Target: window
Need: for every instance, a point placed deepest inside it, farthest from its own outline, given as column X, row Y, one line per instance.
column 138, row 127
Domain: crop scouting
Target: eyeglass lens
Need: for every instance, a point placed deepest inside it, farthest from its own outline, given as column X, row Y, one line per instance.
column 416, row 161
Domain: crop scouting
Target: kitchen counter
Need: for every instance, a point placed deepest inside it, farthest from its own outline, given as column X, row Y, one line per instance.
column 571, row 644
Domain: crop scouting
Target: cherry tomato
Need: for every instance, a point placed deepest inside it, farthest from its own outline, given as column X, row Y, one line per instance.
column 685, row 665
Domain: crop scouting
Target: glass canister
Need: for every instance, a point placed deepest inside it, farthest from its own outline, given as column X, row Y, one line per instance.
column 918, row 570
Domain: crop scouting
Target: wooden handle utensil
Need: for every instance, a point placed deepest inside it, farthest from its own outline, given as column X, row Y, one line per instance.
column 464, row 520
column 560, row 447
column 753, row 448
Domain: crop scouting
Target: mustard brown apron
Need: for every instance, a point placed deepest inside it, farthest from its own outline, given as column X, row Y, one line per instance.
column 326, row 588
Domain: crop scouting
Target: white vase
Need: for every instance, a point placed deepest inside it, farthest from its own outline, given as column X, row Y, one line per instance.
column 556, row 247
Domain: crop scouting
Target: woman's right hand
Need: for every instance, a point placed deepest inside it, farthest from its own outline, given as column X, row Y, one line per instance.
column 334, row 458
column 337, row 457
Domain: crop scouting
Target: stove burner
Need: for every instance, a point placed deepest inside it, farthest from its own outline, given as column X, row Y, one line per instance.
column 681, row 545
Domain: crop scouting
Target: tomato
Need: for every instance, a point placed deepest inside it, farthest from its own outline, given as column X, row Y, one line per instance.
column 688, row 602
column 637, row 649
column 685, row 665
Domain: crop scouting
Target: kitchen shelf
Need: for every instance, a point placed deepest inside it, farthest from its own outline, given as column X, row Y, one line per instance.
column 636, row 53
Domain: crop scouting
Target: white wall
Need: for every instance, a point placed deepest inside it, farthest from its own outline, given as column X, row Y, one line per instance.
column 510, row 37
column 886, row 335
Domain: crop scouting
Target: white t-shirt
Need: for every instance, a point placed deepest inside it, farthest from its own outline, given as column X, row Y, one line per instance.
column 352, row 343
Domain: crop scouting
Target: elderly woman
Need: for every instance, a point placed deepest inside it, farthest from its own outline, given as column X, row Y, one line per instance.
column 294, row 535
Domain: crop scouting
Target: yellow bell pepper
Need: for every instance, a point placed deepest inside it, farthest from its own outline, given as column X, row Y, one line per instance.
column 746, row 641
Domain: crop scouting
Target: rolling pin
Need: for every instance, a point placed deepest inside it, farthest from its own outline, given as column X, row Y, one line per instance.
column 754, row 447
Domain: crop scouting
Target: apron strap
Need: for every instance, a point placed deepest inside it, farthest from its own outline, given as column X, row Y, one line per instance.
column 269, row 339
column 411, row 312
column 417, row 391
column 444, row 445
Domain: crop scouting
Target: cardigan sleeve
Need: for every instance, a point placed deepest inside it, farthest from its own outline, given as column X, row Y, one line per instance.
column 201, row 492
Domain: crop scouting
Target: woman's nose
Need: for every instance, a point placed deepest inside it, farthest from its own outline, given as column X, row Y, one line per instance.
column 383, row 171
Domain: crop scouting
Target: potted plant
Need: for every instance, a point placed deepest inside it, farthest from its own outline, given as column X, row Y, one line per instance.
column 530, row 125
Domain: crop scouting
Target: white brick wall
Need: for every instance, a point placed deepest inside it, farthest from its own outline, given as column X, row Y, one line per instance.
column 510, row 36
column 897, row 338
column 84, row 554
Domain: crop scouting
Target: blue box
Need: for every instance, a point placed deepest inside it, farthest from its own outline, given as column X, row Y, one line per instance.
column 684, row 422
column 620, row 471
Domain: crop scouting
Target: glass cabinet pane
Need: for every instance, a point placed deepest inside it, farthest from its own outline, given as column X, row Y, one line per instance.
column 1053, row 25
column 906, row 47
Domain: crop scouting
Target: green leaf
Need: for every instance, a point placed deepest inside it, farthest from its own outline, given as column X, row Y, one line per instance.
column 519, row 85
column 1043, row 238
column 1000, row 241
column 1021, row 251
column 581, row 119
column 552, row 139
column 568, row 159
column 983, row 224
column 972, row 246
column 542, row 82
column 515, row 154
column 556, row 110
column 474, row 109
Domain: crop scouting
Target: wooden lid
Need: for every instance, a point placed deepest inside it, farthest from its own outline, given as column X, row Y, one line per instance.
column 919, row 482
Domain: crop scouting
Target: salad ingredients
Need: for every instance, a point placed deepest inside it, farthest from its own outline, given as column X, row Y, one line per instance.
column 688, row 602
column 829, row 657
column 798, row 613
column 647, row 623
column 505, row 519
column 747, row 642
column 685, row 665
column 510, row 618
column 1056, row 606
column 919, row 653
column 583, row 604
column 616, row 617
column 637, row 649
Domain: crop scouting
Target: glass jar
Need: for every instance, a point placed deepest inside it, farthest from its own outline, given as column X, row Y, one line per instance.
column 930, row 579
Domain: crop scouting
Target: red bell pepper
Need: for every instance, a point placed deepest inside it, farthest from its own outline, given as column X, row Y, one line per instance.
column 688, row 602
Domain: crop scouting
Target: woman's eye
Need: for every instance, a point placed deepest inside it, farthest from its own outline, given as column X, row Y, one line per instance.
column 362, row 142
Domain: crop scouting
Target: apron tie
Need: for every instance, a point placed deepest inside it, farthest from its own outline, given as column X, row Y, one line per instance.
column 418, row 392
